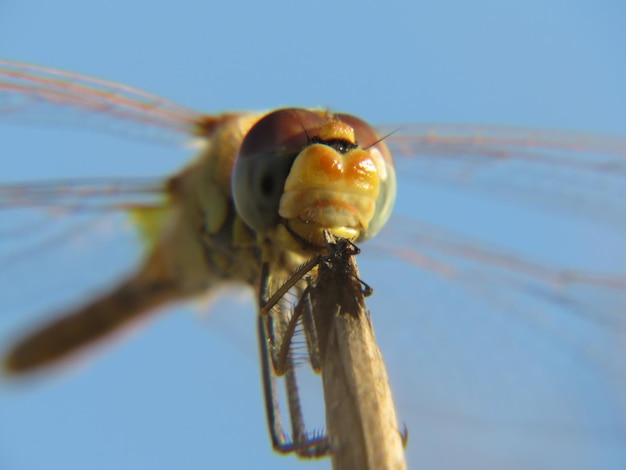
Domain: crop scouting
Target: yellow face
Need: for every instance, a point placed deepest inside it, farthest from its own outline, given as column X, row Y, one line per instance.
column 313, row 171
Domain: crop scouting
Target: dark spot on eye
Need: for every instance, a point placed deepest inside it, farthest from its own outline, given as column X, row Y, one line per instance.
column 267, row 185
column 340, row 145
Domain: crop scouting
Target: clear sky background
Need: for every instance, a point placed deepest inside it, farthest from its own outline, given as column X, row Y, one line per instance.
column 185, row 393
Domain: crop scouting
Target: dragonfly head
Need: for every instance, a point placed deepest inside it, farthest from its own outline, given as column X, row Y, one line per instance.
column 313, row 171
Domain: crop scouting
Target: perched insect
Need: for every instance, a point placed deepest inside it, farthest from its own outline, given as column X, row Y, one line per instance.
column 506, row 349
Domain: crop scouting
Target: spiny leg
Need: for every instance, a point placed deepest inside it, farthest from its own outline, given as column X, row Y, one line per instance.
column 277, row 324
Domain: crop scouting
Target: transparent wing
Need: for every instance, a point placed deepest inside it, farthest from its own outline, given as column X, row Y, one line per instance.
column 32, row 93
column 36, row 214
column 54, row 235
column 500, row 298
column 55, row 216
column 573, row 172
column 94, row 194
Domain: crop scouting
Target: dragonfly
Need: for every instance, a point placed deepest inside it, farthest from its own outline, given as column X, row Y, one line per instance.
column 496, row 349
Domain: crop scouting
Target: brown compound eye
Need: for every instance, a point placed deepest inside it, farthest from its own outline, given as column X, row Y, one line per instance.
column 364, row 134
column 264, row 161
column 368, row 139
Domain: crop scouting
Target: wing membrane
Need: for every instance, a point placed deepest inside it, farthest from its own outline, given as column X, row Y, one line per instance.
column 486, row 345
column 38, row 216
column 467, row 263
column 577, row 173
column 32, row 93
column 93, row 194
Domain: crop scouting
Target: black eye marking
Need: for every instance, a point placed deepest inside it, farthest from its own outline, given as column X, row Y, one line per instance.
column 340, row 145
column 267, row 185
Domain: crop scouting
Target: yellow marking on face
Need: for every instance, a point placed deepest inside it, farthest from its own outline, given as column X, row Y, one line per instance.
column 329, row 190
column 333, row 129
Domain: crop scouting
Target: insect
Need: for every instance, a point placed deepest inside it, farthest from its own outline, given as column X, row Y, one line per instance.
column 507, row 313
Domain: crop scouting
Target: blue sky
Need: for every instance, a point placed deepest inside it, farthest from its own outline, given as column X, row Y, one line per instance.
column 185, row 393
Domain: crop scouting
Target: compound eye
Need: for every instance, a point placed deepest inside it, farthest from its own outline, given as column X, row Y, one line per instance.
column 264, row 161
column 368, row 139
